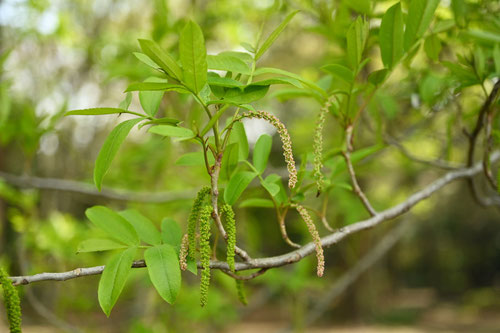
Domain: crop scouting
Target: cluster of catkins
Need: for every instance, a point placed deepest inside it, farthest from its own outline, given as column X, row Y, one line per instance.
column 12, row 303
column 285, row 139
column 202, row 213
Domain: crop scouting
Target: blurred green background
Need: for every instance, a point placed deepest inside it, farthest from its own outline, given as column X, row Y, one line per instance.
column 443, row 272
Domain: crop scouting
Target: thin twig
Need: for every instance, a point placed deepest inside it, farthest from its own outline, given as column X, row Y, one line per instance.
column 481, row 119
column 435, row 163
column 284, row 234
column 245, row 277
column 352, row 174
column 488, row 147
column 296, row 255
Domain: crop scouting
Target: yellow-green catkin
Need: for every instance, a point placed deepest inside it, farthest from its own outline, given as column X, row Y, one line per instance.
column 228, row 213
column 12, row 302
column 316, row 239
column 285, row 139
column 240, row 287
column 184, row 252
column 205, row 216
column 318, row 146
column 193, row 220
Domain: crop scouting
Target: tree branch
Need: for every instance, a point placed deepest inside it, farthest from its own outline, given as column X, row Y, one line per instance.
column 435, row 163
column 481, row 119
column 43, row 183
column 297, row 255
column 352, row 174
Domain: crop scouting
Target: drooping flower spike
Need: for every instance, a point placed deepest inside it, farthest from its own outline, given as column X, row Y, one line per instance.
column 205, row 216
column 316, row 239
column 285, row 139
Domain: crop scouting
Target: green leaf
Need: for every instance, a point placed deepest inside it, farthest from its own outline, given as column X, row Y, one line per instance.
column 257, row 202
column 293, row 93
column 243, row 56
column 193, row 57
column 229, row 161
column 96, row 111
column 443, row 26
column 459, row 11
column 249, row 94
column 173, row 131
column 339, row 71
column 270, row 70
column 110, row 148
column 151, row 100
column 261, row 152
column 143, row 226
column 215, row 80
column 194, row 159
column 154, row 86
column 161, row 121
column 164, row 271
column 248, row 47
column 465, row 75
column 227, row 62
column 496, row 58
column 99, row 244
column 430, row 87
column 278, row 80
column 239, row 136
column 479, row 61
column 483, row 36
column 391, row 36
column 377, row 77
column 192, row 265
column 237, row 184
column 171, row 233
column 356, row 40
column 146, row 60
column 432, row 47
column 162, row 58
column 419, row 18
column 225, row 102
column 272, row 37
column 113, row 279
column 271, row 187
column 213, row 120
column 126, row 102
column 361, row 6
column 113, row 224
column 281, row 196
